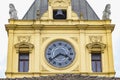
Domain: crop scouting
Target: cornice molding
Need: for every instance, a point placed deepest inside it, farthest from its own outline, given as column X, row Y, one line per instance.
column 109, row 26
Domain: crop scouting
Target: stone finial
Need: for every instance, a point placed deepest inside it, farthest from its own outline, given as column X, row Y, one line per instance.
column 106, row 12
column 38, row 14
column 12, row 12
column 81, row 16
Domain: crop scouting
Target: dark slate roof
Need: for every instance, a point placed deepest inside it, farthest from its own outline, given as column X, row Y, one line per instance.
column 78, row 6
column 41, row 5
column 83, row 7
column 64, row 77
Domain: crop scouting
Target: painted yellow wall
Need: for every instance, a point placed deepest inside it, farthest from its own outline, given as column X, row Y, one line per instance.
column 38, row 34
column 42, row 32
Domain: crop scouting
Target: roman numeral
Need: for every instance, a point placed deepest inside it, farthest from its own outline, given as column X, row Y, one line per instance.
column 60, row 64
column 71, row 53
column 65, row 44
column 60, row 43
column 69, row 48
column 54, row 62
column 48, row 53
column 65, row 62
column 50, row 49
column 70, row 59
column 54, row 45
column 50, row 58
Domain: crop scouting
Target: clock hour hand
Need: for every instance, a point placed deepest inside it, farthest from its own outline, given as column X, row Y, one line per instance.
column 66, row 56
column 69, row 58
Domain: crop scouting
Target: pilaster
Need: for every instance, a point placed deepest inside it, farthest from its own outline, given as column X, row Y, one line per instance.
column 37, row 41
column 82, row 53
column 110, row 51
column 10, row 51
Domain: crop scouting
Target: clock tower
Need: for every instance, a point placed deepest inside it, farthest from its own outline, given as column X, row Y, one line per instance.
column 58, row 37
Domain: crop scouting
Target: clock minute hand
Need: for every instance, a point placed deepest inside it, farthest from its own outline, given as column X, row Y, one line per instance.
column 55, row 57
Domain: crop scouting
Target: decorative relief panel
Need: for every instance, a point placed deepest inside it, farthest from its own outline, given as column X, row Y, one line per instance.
column 95, row 38
column 23, row 38
column 56, row 3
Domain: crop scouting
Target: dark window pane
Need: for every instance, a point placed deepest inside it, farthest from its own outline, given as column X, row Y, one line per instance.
column 26, row 67
column 96, row 62
column 23, row 62
column 96, row 56
column 24, row 56
column 21, row 66
column 93, row 66
column 98, row 66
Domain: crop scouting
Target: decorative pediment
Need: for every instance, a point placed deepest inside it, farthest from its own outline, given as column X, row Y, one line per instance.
column 59, row 3
column 24, row 46
column 96, row 46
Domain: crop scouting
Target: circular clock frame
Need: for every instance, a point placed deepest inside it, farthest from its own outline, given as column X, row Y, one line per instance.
column 60, row 54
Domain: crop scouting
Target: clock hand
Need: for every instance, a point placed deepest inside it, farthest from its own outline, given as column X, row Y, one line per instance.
column 64, row 55
column 58, row 55
column 55, row 57
column 67, row 56
column 61, row 55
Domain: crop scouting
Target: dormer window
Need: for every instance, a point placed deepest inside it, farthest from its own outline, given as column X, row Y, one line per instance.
column 59, row 14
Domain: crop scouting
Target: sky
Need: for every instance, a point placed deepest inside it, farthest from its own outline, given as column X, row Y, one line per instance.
column 23, row 5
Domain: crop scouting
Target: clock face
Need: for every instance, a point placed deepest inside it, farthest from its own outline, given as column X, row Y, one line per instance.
column 60, row 54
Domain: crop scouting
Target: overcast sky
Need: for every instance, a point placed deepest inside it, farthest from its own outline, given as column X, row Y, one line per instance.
column 23, row 5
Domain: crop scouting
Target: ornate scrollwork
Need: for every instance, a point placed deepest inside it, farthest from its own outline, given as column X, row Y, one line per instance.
column 95, row 38
column 23, row 38
column 62, row 3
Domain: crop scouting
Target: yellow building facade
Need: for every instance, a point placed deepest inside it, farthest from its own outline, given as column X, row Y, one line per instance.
column 50, row 45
